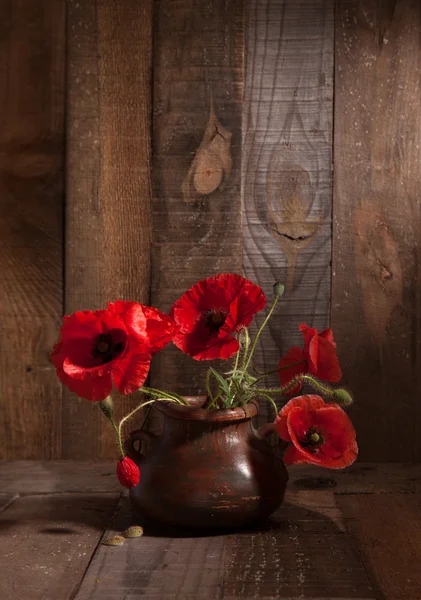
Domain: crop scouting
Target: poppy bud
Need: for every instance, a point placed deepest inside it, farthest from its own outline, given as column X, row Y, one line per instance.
column 107, row 406
column 342, row 396
column 278, row 289
column 128, row 472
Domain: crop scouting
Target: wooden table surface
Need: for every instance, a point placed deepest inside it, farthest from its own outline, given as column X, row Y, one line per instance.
column 348, row 534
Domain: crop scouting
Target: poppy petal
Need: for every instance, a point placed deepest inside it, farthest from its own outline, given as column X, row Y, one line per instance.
column 93, row 386
column 130, row 373
column 227, row 294
column 328, row 335
column 288, row 369
column 293, row 456
column 328, row 367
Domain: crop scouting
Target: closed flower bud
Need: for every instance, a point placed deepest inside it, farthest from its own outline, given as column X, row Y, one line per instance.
column 278, row 289
column 342, row 397
column 128, row 472
column 107, row 406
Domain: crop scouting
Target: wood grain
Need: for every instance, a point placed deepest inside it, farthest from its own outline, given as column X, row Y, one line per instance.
column 198, row 88
column 387, row 530
column 62, row 476
column 65, row 476
column 302, row 552
column 108, row 180
column 286, row 174
column 32, row 72
column 376, row 306
column 46, row 543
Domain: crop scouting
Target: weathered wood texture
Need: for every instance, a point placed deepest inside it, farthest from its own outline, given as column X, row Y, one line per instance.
column 376, row 308
column 32, row 48
column 44, row 477
column 46, row 543
column 58, row 476
column 108, row 180
column 387, row 530
column 198, row 89
column 287, row 154
column 303, row 552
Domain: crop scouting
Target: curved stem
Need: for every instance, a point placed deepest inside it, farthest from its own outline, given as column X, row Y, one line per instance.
column 246, row 348
column 270, row 400
column 289, row 386
column 256, row 339
column 128, row 416
column 120, row 445
column 263, row 375
column 237, row 358
column 164, row 395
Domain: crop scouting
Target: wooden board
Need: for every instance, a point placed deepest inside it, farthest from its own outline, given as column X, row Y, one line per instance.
column 32, row 47
column 302, row 553
column 108, row 181
column 360, row 478
column 376, row 305
column 287, row 155
column 387, row 529
column 198, row 88
column 64, row 476
column 43, row 477
column 46, row 543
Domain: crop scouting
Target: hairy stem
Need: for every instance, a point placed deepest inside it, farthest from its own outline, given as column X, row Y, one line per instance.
column 256, row 339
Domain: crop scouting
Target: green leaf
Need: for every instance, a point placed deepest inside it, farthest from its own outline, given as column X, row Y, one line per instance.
column 222, row 383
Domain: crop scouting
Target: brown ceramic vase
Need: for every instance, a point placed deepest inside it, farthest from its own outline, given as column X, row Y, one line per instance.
column 206, row 468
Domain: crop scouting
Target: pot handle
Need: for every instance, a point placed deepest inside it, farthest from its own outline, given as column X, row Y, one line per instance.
column 265, row 430
column 134, row 436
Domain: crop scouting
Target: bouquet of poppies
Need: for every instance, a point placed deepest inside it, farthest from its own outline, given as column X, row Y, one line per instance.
column 114, row 347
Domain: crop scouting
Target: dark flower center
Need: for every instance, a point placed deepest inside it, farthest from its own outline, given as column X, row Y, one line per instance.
column 108, row 346
column 313, row 439
column 214, row 319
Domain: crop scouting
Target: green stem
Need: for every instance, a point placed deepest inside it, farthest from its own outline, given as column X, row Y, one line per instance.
column 164, row 395
column 237, row 358
column 263, row 325
column 208, row 387
column 270, row 400
column 120, row 445
column 246, row 347
column 289, row 386
column 295, row 364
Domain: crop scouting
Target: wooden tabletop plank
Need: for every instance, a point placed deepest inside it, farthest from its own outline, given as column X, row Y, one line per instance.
column 69, row 475
column 46, row 543
column 6, row 500
column 387, row 529
column 44, row 477
column 302, row 552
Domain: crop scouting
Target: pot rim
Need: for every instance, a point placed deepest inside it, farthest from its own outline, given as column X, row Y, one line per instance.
column 195, row 412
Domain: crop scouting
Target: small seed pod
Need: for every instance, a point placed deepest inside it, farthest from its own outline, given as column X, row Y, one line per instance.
column 133, row 532
column 115, row 540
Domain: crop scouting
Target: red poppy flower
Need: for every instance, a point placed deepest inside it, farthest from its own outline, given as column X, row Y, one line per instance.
column 212, row 311
column 320, row 434
column 99, row 347
column 128, row 472
column 318, row 358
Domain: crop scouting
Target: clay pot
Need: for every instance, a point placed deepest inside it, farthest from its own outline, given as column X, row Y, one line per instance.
column 206, row 468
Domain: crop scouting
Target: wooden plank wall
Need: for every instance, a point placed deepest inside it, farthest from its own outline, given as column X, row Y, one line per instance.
column 198, row 90
column 240, row 129
column 32, row 70
column 108, row 181
column 376, row 308
column 287, row 157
